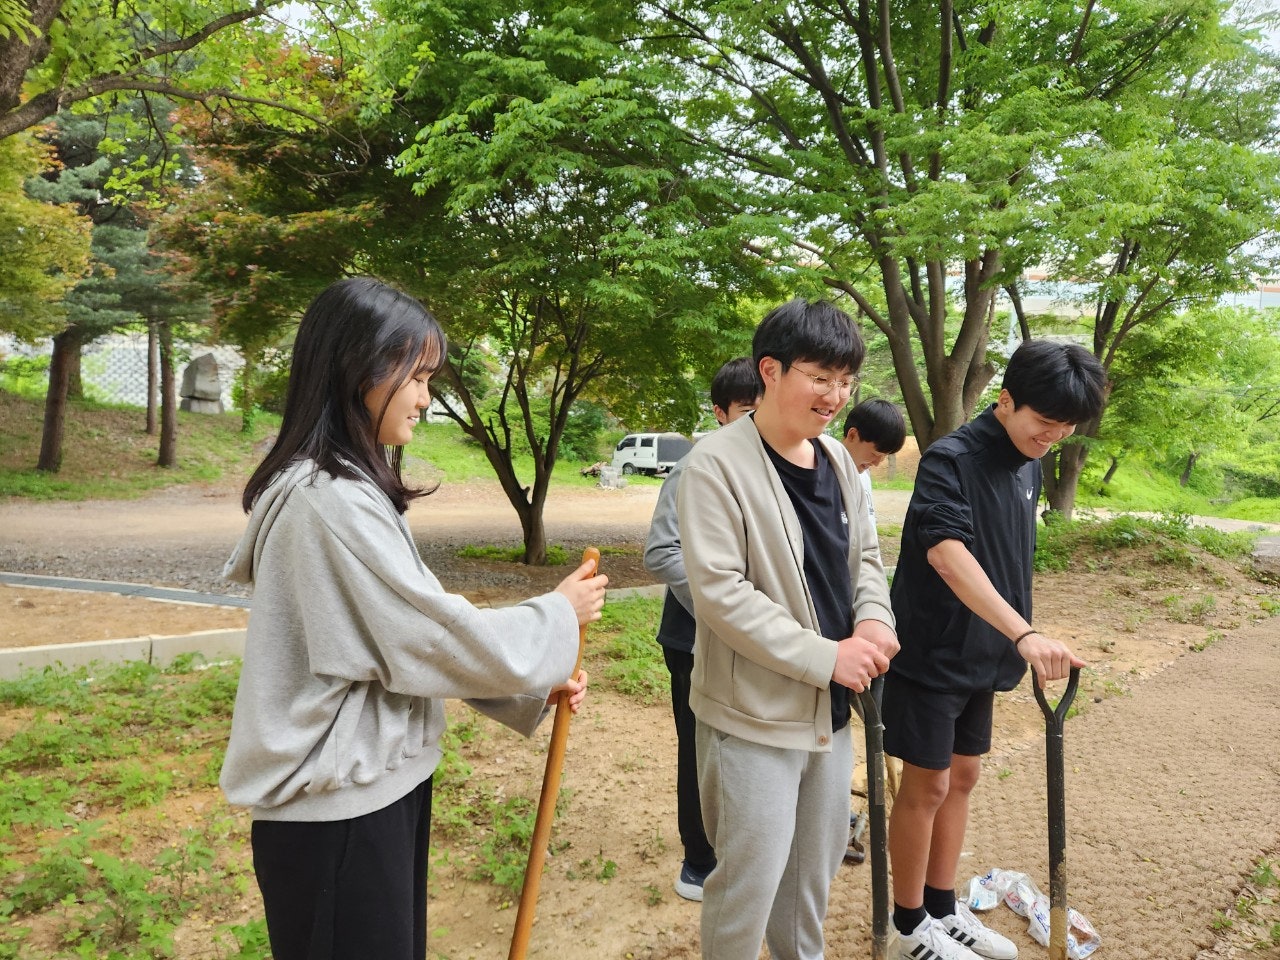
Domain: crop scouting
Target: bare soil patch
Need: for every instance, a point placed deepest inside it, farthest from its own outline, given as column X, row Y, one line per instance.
column 607, row 888
column 34, row 616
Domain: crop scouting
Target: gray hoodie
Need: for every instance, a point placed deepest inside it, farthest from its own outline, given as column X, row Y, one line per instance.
column 352, row 645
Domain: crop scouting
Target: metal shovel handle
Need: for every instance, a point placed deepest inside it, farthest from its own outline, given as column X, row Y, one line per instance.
column 874, row 728
column 1055, row 765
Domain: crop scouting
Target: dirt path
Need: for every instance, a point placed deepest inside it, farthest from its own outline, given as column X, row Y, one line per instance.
column 1173, row 779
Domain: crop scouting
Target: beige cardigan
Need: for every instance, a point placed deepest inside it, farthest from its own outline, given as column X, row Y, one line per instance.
column 761, row 671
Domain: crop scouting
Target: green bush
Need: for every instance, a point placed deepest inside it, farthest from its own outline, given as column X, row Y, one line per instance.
column 1170, row 538
column 26, row 376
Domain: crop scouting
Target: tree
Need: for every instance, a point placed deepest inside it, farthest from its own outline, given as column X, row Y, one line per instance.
column 585, row 247
column 125, row 285
column 1195, row 385
column 55, row 54
column 46, row 247
column 923, row 148
column 1176, row 204
column 277, row 216
column 541, row 223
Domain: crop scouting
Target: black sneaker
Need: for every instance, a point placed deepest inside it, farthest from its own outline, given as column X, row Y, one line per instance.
column 689, row 883
column 855, row 852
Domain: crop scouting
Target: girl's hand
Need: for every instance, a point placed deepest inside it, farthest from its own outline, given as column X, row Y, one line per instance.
column 575, row 688
column 585, row 592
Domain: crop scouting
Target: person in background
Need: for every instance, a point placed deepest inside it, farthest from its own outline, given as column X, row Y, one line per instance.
column 735, row 391
column 873, row 430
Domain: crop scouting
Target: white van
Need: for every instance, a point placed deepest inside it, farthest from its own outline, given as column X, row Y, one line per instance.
column 650, row 453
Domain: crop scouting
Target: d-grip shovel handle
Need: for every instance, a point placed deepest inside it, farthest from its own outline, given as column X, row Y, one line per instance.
column 1050, row 714
column 879, row 827
column 1055, row 765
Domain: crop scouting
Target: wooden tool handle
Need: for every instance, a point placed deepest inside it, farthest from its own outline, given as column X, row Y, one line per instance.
column 547, row 799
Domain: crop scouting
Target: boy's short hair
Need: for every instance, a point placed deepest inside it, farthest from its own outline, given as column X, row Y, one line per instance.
column 737, row 381
column 818, row 331
column 1059, row 381
column 879, row 423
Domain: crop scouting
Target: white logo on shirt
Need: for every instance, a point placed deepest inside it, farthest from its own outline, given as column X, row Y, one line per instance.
column 1029, row 492
column 844, row 519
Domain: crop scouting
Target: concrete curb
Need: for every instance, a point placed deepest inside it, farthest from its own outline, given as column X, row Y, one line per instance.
column 144, row 590
column 210, row 644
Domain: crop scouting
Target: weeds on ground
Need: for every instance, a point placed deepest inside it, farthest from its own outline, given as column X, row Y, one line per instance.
column 84, row 773
column 624, row 640
column 1253, row 920
column 1170, row 540
column 90, row 863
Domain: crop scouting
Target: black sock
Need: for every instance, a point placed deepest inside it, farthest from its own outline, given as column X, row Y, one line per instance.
column 939, row 903
column 907, row 919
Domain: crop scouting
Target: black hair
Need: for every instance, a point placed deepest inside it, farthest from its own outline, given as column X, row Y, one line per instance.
column 357, row 334
column 878, row 422
column 1059, row 381
column 817, row 331
column 737, row 381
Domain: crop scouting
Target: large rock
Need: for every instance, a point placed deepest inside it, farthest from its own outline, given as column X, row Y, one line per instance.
column 1266, row 556
column 201, row 389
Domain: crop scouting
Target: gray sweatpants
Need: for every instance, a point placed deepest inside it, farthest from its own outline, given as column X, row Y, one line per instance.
column 779, row 822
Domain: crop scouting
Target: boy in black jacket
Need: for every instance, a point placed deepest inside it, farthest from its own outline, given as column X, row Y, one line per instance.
column 962, row 599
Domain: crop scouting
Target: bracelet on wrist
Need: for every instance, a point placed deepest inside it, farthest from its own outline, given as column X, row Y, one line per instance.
column 1022, row 636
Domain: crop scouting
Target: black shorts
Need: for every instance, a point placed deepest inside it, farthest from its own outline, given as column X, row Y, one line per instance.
column 924, row 727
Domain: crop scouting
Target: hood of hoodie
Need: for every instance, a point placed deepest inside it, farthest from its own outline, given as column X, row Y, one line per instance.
column 243, row 561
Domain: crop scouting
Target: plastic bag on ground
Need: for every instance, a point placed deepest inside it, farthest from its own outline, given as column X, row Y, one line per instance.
column 1026, row 900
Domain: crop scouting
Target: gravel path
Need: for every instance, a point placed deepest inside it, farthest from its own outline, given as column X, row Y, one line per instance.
column 182, row 538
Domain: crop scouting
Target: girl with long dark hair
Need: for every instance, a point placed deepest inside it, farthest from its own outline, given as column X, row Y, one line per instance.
column 353, row 645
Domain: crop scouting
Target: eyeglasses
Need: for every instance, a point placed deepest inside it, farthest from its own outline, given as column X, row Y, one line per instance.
column 822, row 385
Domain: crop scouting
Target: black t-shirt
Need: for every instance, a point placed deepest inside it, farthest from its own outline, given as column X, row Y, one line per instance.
column 824, row 524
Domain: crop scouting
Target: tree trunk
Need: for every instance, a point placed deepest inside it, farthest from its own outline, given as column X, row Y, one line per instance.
column 1111, row 470
column 1062, row 477
column 75, row 382
column 55, row 401
column 153, row 373
column 247, row 399
column 168, row 453
column 535, row 535
column 1186, row 472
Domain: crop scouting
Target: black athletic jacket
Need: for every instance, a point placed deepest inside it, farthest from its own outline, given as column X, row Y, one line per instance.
column 973, row 486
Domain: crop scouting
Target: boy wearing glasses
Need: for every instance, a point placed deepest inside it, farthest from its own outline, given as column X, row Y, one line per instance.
column 792, row 612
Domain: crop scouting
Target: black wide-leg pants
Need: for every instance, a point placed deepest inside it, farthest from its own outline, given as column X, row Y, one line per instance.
column 347, row 889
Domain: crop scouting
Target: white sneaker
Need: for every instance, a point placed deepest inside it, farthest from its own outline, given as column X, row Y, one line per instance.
column 928, row 941
column 963, row 927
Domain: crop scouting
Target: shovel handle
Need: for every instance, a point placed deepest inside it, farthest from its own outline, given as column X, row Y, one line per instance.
column 1052, row 715
column 525, row 912
column 1055, row 764
column 874, row 727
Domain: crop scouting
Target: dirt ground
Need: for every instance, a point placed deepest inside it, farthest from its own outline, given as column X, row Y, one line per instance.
column 1173, row 780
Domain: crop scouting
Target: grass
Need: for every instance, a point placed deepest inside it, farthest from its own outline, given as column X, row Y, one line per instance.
column 108, row 455
column 92, row 760
column 557, row 555
column 1143, row 488
column 1101, row 544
